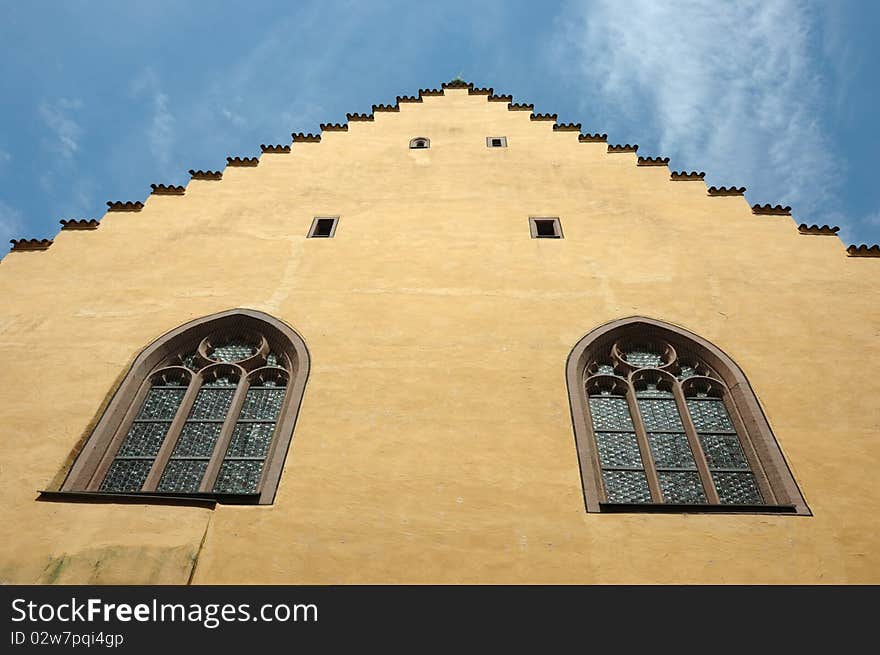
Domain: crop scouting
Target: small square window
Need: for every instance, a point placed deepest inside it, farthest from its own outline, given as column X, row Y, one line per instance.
column 323, row 227
column 496, row 141
column 545, row 228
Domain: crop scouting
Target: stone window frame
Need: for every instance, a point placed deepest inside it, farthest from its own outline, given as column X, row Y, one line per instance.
column 557, row 227
column 87, row 472
column 490, row 139
column 764, row 455
column 419, row 143
column 312, row 234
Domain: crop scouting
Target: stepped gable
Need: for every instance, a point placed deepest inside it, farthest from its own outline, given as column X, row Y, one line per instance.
column 275, row 150
column 824, row 230
column 726, row 191
column 520, row 106
column 124, row 206
column 334, row 127
column 685, row 176
column 592, row 138
column 242, row 161
column 480, row 91
column 408, row 99
column 79, row 224
column 301, row 137
column 652, row 161
column 544, row 117
column 167, row 190
column 772, row 210
column 622, row 148
column 423, row 93
column 381, row 108
column 863, row 251
column 21, row 245
column 567, row 127
column 354, row 118
column 501, row 98
column 205, row 175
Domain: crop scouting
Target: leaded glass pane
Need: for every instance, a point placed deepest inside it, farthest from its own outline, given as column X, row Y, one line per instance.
column 161, row 403
column 626, row 487
column 610, row 413
column 274, row 359
column 212, row 403
column 262, row 404
column 233, row 351
column 710, row 415
column 189, row 360
column 652, row 391
column 183, row 475
column 239, row 477
column 687, row 372
column 643, row 357
column 251, row 440
column 143, row 439
column 126, row 475
column 197, row 440
column 671, row 450
column 723, row 451
column 604, row 369
column 660, row 415
column 737, row 488
column 681, row 487
column 619, row 449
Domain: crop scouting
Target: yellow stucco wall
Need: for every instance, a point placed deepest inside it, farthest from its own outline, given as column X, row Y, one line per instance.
column 434, row 442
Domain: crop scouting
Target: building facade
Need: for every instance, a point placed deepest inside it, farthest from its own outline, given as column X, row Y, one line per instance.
column 449, row 341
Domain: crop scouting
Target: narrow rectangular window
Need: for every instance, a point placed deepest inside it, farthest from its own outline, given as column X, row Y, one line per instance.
column 323, row 228
column 545, row 228
column 496, row 141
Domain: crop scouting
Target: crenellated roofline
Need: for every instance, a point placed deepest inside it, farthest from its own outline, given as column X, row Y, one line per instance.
column 491, row 96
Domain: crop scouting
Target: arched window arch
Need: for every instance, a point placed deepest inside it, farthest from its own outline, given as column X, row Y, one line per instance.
column 420, row 143
column 665, row 421
column 207, row 410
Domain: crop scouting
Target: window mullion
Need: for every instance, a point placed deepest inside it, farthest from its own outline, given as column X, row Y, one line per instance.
column 225, row 437
column 173, row 434
column 644, row 446
column 696, row 447
column 113, row 447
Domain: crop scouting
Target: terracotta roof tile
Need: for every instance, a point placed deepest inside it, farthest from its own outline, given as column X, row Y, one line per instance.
column 430, row 92
column 242, row 161
column 277, row 149
column 359, row 117
column 30, row 244
column 622, row 148
column 501, row 98
column 334, row 127
column 167, row 190
column 401, row 99
column 824, row 230
column 685, row 176
column 205, row 175
column 457, row 84
column 545, row 117
column 652, row 161
column 863, row 250
column 480, row 91
column 567, row 127
column 301, row 137
column 592, row 138
column 776, row 210
column 726, row 191
column 124, row 206
column 380, row 108
column 521, row 106
column 80, row 224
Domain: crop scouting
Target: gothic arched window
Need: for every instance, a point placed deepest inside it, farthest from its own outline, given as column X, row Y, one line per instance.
column 665, row 421
column 207, row 410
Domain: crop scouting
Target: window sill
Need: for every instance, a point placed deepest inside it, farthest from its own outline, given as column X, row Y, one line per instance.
column 670, row 508
column 206, row 500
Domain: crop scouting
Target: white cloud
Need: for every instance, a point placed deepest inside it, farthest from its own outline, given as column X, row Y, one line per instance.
column 10, row 224
column 728, row 88
column 161, row 130
column 67, row 132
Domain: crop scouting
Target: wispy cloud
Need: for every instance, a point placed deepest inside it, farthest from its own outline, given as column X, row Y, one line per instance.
column 731, row 89
column 11, row 223
column 57, row 116
column 161, row 121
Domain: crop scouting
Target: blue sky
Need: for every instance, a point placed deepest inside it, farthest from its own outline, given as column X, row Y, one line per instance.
column 100, row 99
